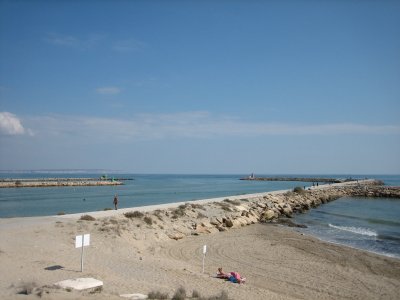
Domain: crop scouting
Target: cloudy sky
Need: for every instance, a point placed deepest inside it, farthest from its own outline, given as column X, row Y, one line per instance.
column 270, row 87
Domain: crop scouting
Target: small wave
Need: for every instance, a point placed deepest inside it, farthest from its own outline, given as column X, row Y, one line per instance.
column 357, row 230
column 389, row 237
column 369, row 220
column 384, row 222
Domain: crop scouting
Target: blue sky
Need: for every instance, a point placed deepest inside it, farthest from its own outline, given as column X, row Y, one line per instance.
column 201, row 86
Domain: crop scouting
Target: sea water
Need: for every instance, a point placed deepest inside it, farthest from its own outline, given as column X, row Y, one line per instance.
column 372, row 224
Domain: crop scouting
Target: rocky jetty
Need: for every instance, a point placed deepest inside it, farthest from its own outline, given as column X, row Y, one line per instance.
column 220, row 216
column 302, row 179
column 376, row 191
column 197, row 218
column 56, row 182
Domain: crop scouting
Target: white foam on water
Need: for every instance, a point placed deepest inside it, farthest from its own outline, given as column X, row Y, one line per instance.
column 357, row 230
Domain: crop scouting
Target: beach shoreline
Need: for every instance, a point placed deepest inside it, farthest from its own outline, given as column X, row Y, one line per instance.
column 147, row 208
column 160, row 248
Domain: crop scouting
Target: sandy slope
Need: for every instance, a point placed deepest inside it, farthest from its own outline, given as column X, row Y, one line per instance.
column 132, row 257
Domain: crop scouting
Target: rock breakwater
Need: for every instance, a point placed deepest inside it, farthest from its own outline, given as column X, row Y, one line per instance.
column 302, row 179
column 55, row 182
column 195, row 218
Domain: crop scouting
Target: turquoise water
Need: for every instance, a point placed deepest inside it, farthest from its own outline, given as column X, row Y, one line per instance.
column 364, row 223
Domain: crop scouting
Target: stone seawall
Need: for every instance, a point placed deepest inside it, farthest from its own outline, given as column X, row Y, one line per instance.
column 272, row 207
column 197, row 217
column 303, row 179
column 275, row 205
column 376, row 191
column 56, row 183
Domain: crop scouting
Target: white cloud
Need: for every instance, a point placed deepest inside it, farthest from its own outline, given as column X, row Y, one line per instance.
column 60, row 40
column 73, row 41
column 108, row 90
column 93, row 40
column 316, row 129
column 10, row 124
column 128, row 45
column 187, row 125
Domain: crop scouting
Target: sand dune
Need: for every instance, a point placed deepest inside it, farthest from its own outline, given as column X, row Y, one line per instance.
column 278, row 262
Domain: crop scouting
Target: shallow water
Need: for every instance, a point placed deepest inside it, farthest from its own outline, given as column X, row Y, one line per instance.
column 372, row 224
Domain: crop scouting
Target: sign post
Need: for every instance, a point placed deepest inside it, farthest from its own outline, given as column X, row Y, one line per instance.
column 82, row 241
column 204, row 254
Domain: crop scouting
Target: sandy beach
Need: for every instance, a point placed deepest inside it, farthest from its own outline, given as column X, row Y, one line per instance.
column 135, row 255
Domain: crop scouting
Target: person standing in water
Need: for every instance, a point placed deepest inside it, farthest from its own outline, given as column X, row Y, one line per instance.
column 116, row 201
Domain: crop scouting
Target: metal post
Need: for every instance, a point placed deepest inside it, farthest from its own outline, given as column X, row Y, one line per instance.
column 204, row 256
column 83, row 238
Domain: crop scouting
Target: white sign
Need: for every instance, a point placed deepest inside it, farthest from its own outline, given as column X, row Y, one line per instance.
column 82, row 240
column 204, row 254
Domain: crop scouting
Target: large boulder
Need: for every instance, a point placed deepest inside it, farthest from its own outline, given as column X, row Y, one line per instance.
column 262, row 205
column 176, row 235
column 251, row 219
column 255, row 213
column 270, row 204
column 308, row 204
column 267, row 215
column 287, row 211
column 241, row 221
column 228, row 222
column 215, row 222
column 205, row 227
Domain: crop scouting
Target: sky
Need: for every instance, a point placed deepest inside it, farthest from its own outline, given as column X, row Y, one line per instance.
column 201, row 87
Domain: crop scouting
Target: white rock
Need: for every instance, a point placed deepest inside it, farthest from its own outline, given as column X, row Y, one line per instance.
column 134, row 296
column 80, row 283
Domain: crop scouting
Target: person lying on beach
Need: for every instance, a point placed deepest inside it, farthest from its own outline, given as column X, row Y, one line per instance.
column 231, row 276
column 222, row 274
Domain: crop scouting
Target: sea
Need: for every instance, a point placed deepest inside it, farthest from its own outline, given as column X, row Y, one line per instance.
column 371, row 224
